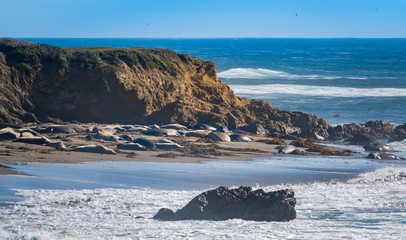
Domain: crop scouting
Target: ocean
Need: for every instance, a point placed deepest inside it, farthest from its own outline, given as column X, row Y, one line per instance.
column 341, row 80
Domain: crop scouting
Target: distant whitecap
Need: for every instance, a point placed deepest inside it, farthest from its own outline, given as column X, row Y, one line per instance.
column 317, row 90
column 261, row 73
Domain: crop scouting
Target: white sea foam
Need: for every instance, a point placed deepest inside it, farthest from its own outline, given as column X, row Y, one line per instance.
column 400, row 147
column 372, row 206
column 318, row 90
column 261, row 73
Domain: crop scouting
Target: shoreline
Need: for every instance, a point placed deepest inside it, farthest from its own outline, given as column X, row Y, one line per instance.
column 193, row 149
column 59, row 143
column 6, row 170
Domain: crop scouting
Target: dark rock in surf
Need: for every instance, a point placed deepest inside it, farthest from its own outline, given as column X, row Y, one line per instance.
column 377, row 129
column 243, row 203
column 363, row 139
column 381, row 129
column 399, row 133
column 167, row 214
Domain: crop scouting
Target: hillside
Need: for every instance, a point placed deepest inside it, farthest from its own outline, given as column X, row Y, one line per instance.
column 127, row 85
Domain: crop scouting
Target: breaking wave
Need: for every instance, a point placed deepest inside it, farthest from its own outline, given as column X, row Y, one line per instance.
column 371, row 206
column 318, row 90
column 261, row 73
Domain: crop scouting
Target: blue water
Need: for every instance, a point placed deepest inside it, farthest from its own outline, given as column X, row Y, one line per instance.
column 341, row 80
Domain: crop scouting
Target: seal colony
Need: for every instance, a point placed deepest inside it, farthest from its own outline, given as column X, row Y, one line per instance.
column 173, row 142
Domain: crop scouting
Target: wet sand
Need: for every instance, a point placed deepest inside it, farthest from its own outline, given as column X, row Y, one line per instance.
column 196, row 149
column 14, row 152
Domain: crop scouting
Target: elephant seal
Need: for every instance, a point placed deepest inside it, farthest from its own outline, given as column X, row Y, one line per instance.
column 222, row 129
column 126, row 138
column 166, row 146
column 197, row 133
column 203, row 126
column 131, row 146
column 33, row 140
column 383, row 156
column 174, row 126
column 94, row 149
column 240, row 138
column 161, row 132
column 57, row 145
column 219, row 137
column 8, row 134
column 286, row 149
column 146, row 143
column 377, row 147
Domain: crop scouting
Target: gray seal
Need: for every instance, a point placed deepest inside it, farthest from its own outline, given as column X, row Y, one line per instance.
column 94, row 149
column 384, row 156
column 240, row 138
column 146, row 143
column 131, row 146
column 286, row 149
column 377, row 147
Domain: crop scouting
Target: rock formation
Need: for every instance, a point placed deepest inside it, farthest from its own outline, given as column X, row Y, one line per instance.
column 128, row 85
column 223, row 203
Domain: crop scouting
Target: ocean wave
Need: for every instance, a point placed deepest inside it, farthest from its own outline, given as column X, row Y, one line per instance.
column 388, row 174
column 261, row 73
column 318, row 90
column 400, row 147
column 371, row 206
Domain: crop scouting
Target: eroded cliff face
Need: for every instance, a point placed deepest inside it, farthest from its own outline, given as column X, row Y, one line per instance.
column 126, row 85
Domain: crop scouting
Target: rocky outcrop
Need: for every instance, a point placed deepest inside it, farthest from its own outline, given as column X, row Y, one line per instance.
column 400, row 133
column 363, row 139
column 376, row 129
column 223, row 203
column 128, row 85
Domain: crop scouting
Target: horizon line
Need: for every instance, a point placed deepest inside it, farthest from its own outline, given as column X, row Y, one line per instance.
column 194, row 38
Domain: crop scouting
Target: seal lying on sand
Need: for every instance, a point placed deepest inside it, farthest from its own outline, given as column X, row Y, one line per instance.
column 219, row 137
column 146, row 143
column 167, row 144
column 131, row 146
column 94, row 149
column 33, row 140
column 240, row 138
column 286, row 149
column 204, row 126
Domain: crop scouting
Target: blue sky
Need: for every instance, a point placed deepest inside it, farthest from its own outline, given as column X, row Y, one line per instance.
column 203, row 18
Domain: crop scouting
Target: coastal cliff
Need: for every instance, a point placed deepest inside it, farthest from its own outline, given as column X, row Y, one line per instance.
column 128, row 85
